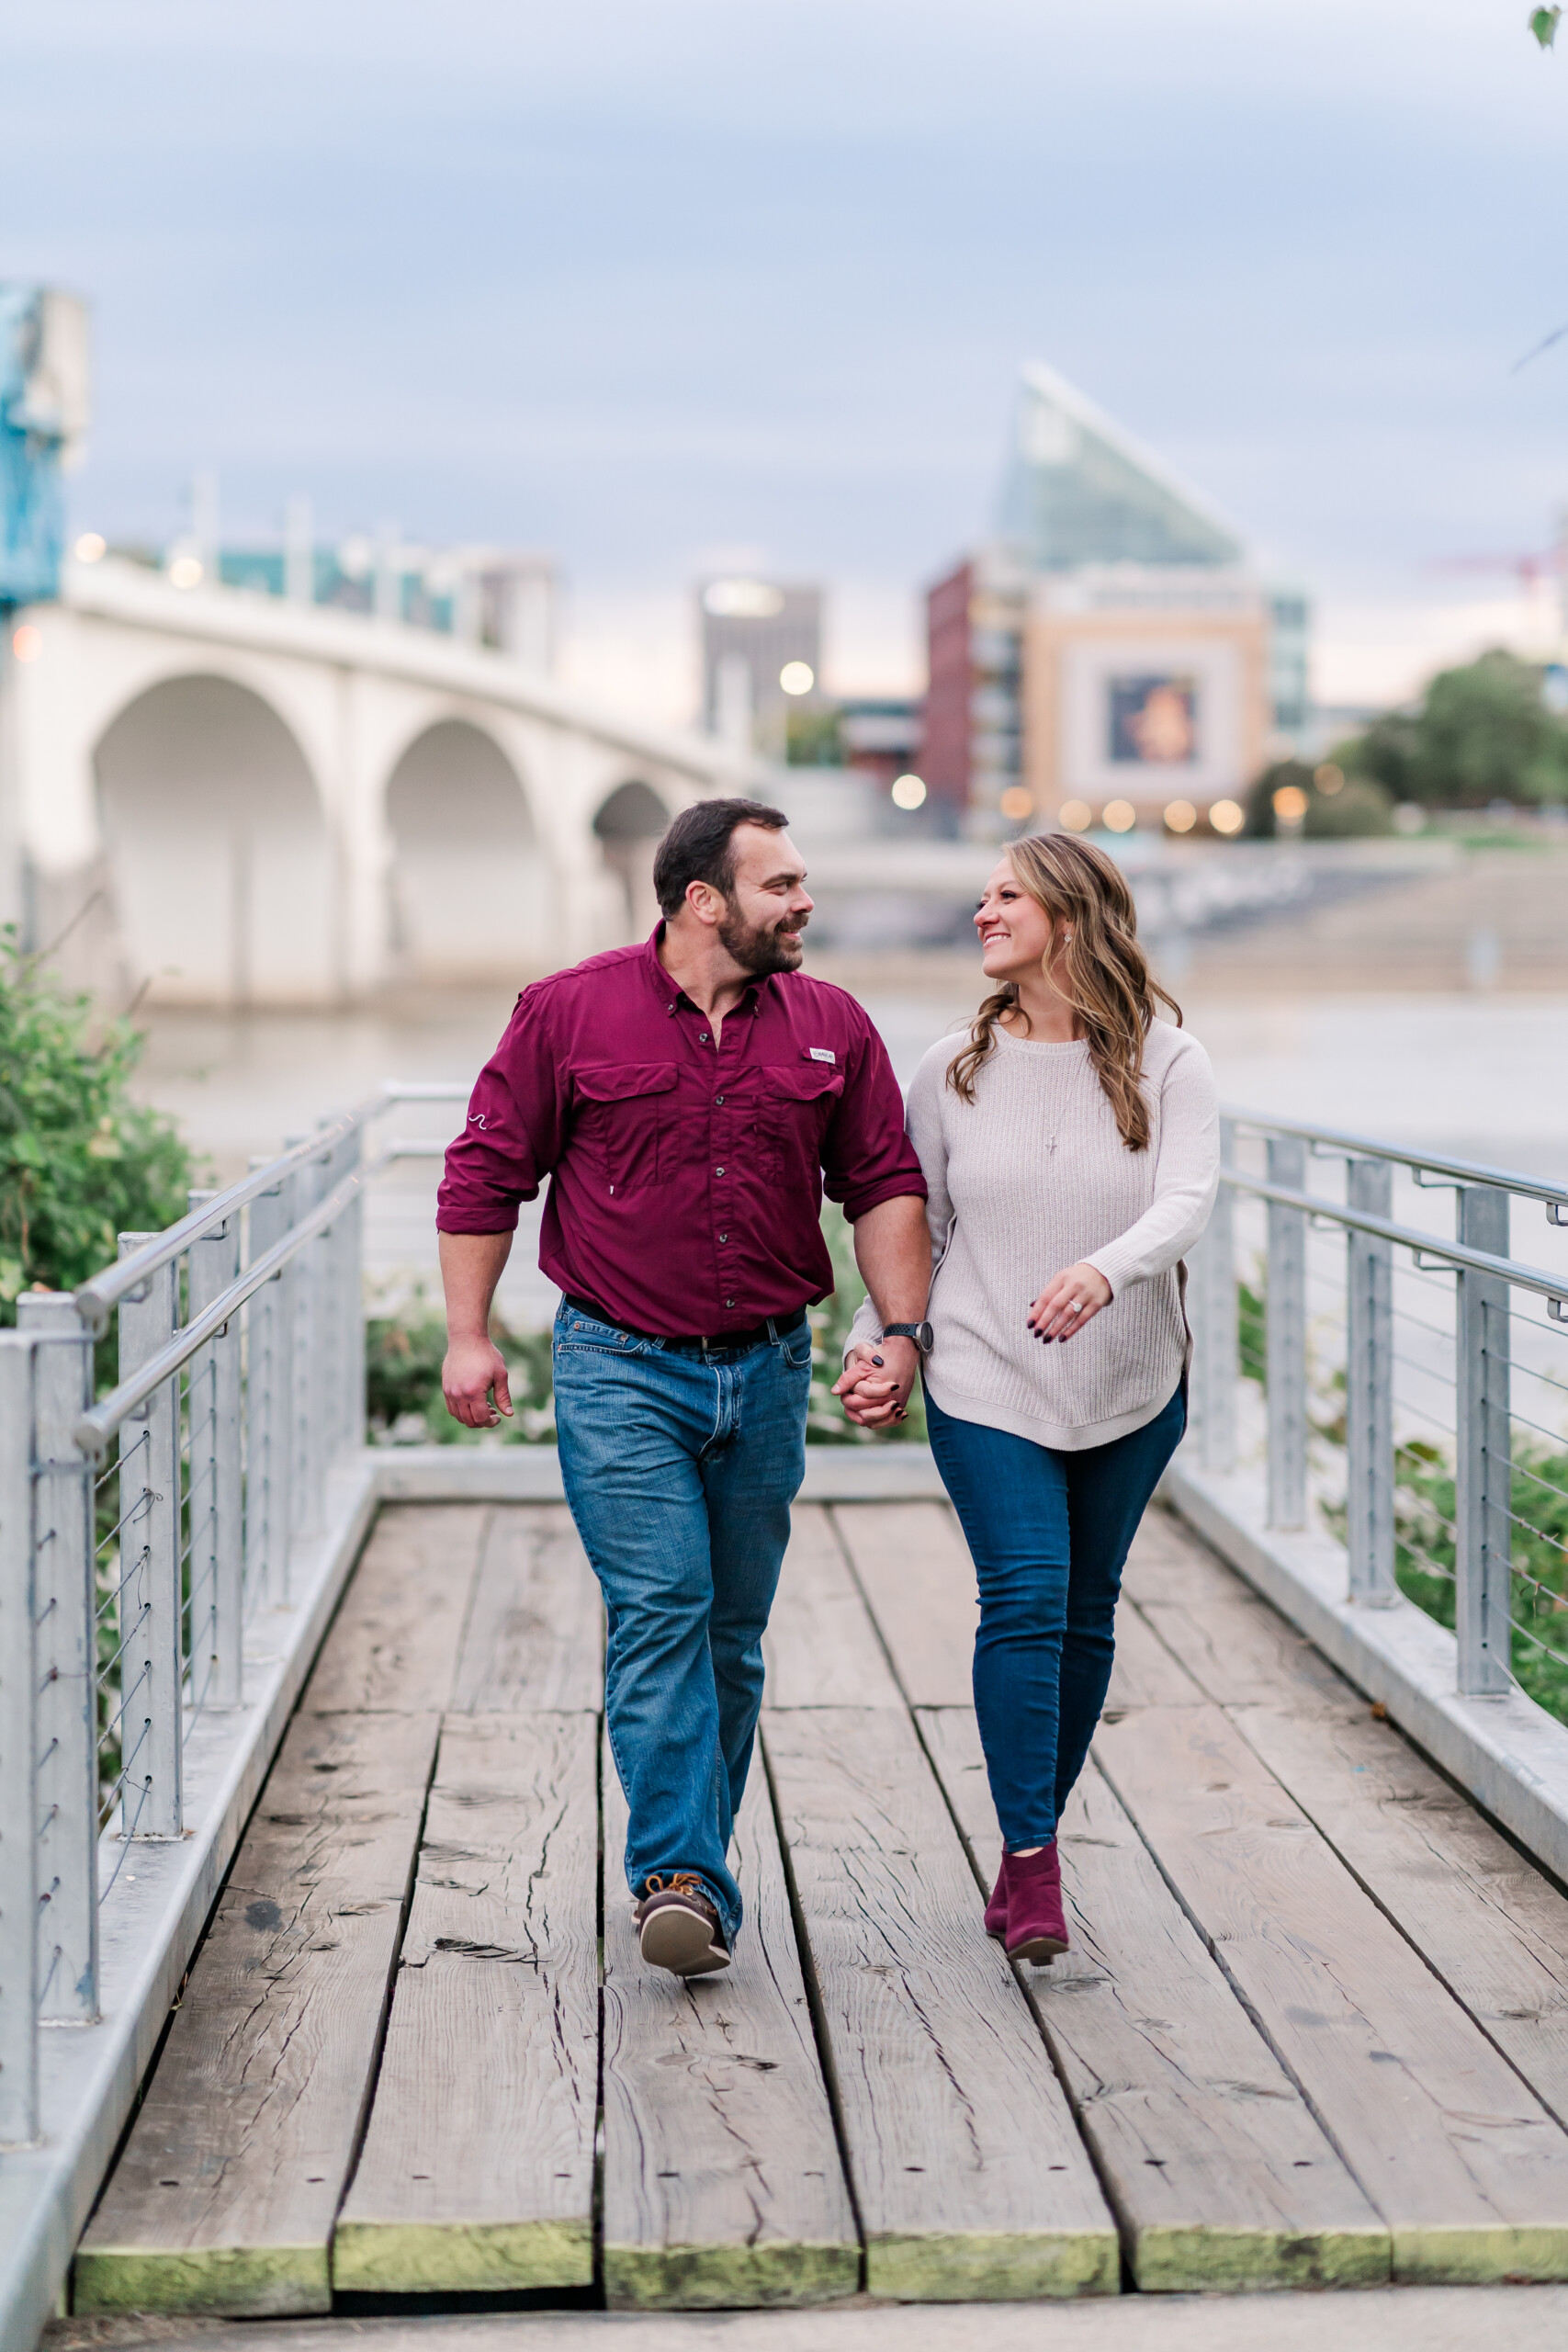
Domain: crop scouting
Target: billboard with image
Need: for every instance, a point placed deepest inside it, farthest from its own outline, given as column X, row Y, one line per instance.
column 1152, row 720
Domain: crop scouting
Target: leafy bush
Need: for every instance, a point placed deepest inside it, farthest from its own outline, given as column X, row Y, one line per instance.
column 80, row 1162
column 1425, row 1556
column 1359, row 811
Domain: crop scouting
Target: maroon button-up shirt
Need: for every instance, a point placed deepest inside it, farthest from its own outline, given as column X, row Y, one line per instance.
column 686, row 1177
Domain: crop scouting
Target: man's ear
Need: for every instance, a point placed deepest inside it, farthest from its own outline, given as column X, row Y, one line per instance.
column 705, row 901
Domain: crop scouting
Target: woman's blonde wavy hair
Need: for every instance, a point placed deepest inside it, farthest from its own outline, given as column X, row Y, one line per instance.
column 1100, row 969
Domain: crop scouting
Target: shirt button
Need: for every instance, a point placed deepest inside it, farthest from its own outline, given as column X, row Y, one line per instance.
column 702, row 1036
column 718, row 1097
column 730, row 1302
column 718, row 1171
column 724, row 1236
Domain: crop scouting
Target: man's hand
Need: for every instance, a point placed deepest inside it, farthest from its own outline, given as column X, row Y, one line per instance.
column 473, row 1367
column 877, row 1383
column 471, row 1266
column 1066, row 1305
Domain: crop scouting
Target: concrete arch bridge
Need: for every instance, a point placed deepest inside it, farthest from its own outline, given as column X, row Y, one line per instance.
column 233, row 799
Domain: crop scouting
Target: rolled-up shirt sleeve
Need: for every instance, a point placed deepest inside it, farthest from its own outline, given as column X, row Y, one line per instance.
column 867, row 1156
column 511, row 1136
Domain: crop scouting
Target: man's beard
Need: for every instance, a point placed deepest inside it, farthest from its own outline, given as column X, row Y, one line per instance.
column 763, row 947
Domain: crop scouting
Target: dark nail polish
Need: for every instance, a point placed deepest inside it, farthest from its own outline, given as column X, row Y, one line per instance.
column 876, row 1359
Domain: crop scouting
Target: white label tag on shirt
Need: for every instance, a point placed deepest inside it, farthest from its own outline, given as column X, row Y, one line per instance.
column 822, row 1053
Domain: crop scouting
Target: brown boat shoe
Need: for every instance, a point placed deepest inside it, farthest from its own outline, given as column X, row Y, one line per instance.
column 678, row 1927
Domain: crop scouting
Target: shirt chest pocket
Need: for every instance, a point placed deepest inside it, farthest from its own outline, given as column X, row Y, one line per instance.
column 625, row 1122
column 796, row 1102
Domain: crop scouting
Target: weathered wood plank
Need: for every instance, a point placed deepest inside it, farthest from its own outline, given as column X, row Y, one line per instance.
column 224, row 2197
column 1463, row 2163
column 722, row 2182
column 918, row 1581
column 535, row 1635
column 970, row 2180
column 1220, row 2178
column 1243, row 1652
column 1494, row 1929
column 820, row 1647
column 1143, row 1673
column 477, row 2168
column 393, row 1645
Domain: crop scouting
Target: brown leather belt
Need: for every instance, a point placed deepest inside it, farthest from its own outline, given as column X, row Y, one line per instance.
column 774, row 1327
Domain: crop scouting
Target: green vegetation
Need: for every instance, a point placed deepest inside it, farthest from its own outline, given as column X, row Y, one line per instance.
column 1425, row 1559
column 812, row 740
column 80, row 1162
column 1338, row 806
column 1482, row 733
column 1425, row 1554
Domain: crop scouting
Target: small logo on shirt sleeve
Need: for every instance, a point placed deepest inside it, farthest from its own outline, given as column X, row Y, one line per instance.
column 822, row 1053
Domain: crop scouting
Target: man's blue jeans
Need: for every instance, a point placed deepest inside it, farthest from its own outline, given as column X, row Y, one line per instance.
column 679, row 1466
column 1049, row 1533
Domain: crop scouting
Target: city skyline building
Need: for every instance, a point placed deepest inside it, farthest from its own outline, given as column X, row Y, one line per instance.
column 761, row 658
column 1110, row 656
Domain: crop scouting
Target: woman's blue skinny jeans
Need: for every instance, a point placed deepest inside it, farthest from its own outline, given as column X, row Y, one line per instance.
column 1049, row 1533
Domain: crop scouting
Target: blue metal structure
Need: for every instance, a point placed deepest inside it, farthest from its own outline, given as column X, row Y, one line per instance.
column 42, row 397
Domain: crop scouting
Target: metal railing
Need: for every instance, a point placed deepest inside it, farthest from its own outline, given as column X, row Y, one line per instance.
column 1406, row 1388
column 142, row 1529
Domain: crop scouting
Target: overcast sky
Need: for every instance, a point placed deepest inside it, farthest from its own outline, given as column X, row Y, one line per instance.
column 647, row 285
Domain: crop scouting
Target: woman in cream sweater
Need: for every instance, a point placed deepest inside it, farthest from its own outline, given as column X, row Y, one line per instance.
column 1070, row 1150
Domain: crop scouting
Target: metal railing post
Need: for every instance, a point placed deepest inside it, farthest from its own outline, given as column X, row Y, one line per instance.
column 349, row 1241
column 1216, row 1332
column 305, row 1369
column 1285, row 1328
column 269, row 1430
column 1368, row 1389
column 18, row 1750
column 217, row 1531
column 1484, row 1480
column 151, row 1660
column 65, row 1669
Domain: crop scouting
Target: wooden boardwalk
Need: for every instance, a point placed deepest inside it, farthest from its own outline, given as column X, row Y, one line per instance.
column 1314, row 2030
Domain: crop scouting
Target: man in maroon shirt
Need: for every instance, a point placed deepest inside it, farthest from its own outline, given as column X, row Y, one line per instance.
column 689, row 1099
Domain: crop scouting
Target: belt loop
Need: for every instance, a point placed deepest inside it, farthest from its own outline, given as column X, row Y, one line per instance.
column 773, row 1332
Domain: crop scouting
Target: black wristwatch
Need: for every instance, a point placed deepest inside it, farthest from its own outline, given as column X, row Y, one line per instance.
column 922, row 1335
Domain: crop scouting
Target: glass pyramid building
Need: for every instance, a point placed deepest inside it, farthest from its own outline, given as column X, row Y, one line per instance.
column 1079, row 491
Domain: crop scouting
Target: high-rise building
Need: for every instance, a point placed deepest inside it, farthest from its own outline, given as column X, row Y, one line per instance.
column 761, row 658
column 1111, row 649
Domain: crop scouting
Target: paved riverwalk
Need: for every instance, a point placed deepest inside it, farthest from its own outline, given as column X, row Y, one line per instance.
column 1313, row 2032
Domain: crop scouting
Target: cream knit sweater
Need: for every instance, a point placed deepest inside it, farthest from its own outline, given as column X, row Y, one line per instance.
column 1033, row 1176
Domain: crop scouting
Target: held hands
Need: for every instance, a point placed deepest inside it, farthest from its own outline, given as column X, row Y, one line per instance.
column 473, row 1367
column 877, row 1383
column 1074, row 1298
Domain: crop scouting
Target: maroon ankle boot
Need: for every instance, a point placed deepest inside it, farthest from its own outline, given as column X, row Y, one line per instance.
column 1036, row 1927
column 996, row 1908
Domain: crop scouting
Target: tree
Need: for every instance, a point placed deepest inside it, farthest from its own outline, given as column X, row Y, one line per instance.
column 80, row 1162
column 1482, row 733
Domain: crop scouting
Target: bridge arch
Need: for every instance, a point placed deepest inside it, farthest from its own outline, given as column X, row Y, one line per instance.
column 218, row 849
column 627, row 825
column 470, row 881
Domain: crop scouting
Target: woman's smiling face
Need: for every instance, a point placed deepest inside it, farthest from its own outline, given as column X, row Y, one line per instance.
column 1014, row 928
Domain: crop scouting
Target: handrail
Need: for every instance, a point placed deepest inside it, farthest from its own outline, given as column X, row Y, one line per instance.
column 95, row 1429
column 1464, row 1171
column 1456, row 1254
column 97, row 1299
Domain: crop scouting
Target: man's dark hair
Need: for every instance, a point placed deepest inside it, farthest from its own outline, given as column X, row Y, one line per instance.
column 699, row 847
